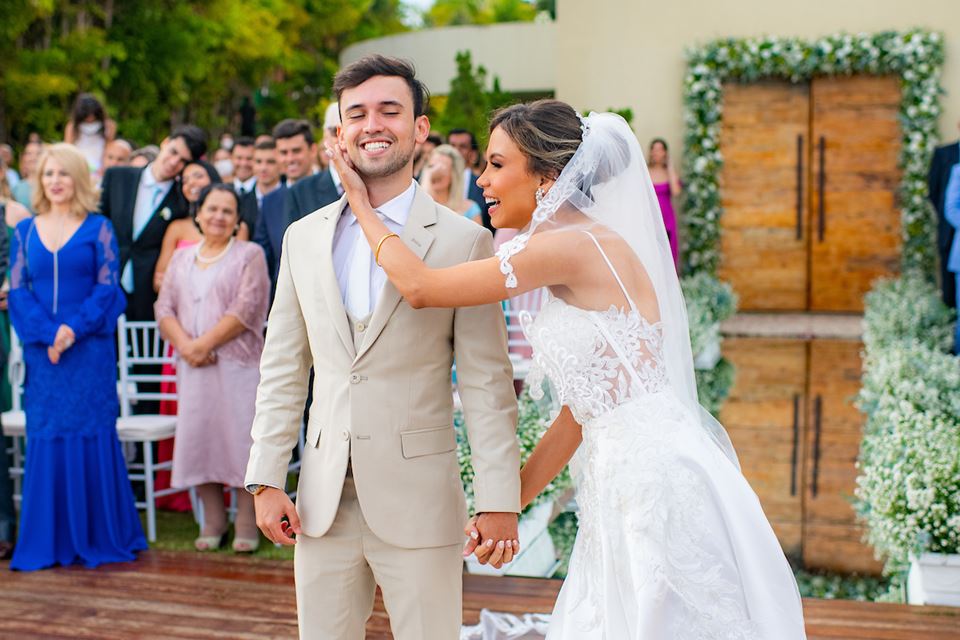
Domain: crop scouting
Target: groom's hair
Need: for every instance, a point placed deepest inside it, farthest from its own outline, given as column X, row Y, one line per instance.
column 355, row 74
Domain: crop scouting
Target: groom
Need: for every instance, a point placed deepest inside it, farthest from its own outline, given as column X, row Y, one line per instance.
column 380, row 500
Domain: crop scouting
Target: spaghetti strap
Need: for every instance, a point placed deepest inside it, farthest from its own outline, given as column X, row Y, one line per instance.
column 612, row 269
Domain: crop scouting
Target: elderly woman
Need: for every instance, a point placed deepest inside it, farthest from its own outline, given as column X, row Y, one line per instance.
column 65, row 299
column 212, row 307
column 443, row 180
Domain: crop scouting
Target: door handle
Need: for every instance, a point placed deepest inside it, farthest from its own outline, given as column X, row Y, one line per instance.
column 796, row 444
column 817, row 428
column 799, row 186
column 821, row 184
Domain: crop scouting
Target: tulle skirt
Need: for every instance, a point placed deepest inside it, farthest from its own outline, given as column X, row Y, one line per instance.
column 673, row 543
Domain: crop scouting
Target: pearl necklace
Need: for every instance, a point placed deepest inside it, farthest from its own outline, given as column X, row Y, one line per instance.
column 203, row 260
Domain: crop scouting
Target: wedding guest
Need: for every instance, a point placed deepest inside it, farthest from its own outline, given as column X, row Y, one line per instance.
column 195, row 177
column 295, row 152
column 144, row 156
column 212, row 308
column 117, row 154
column 331, row 123
column 421, row 154
column 443, row 180
column 951, row 213
column 320, row 189
column 945, row 158
column 89, row 130
column 223, row 163
column 241, row 155
column 65, row 299
column 23, row 190
column 141, row 203
column 6, row 156
column 666, row 182
column 267, row 172
column 8, row 515
column 466, row 143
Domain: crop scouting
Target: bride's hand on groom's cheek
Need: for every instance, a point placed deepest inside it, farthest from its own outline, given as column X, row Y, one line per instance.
column 351, row 181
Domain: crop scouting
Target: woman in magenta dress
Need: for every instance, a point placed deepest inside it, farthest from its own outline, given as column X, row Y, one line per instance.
column 666, row 183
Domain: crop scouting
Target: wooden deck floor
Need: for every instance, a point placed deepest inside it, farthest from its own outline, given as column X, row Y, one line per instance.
column 187, row 595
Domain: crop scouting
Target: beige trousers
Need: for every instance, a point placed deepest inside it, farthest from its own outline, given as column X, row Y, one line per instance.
column 337, row 575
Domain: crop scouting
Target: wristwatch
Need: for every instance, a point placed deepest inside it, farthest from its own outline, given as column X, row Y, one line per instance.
column 255, row 489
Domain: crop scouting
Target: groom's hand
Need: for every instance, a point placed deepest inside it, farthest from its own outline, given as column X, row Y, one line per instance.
column 272, row 505
column 497, row 538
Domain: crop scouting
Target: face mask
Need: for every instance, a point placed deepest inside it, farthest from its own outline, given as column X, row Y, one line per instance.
column 224, row 167
column 90, row 128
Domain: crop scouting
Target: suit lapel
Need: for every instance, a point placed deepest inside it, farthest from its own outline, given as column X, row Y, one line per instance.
column 124, row 204
column 418, row 239
column 327, row 278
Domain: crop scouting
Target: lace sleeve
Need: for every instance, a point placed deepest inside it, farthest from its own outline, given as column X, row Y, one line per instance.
column 34, row 324
column 250, row 305
column 506, row 251
column 99, row 312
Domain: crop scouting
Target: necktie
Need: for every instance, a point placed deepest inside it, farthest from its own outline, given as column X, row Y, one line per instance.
column 141, row 223
column 358, row 282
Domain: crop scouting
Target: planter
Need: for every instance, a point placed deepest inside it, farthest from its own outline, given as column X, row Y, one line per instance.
column 537, row 557
column 934, row 579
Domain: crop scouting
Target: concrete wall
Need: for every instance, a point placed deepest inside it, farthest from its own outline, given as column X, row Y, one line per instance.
column 629, row 53
column 521, row 54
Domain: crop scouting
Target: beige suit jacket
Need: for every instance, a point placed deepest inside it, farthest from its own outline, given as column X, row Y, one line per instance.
column 388, row 406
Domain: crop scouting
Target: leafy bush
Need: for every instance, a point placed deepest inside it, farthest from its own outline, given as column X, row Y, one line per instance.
column 908, row 490
column 709, row 302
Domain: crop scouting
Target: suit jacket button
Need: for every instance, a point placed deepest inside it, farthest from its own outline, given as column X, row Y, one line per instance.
column 354, row 378
column 346, row 435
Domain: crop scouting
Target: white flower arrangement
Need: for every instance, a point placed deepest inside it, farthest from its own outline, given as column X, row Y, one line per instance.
column 908, row 490
column 916, row 55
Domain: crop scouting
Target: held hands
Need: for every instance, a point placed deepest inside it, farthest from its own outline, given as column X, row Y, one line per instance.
column 276, row 516
column 62, row 341
column 197, row 353
column 493, row 538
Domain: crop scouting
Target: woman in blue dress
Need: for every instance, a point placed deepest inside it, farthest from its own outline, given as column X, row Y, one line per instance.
column 65, row 298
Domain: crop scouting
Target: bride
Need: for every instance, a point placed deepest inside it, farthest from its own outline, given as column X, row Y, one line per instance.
column 673, row 542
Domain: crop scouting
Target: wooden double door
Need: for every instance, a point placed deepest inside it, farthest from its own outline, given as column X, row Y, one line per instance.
column 791, row 418
column 808, row 190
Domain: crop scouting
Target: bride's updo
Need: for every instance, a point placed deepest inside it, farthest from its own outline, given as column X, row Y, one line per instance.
column 547, row 132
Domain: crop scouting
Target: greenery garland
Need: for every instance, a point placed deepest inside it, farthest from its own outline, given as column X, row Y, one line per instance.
column 915, row 55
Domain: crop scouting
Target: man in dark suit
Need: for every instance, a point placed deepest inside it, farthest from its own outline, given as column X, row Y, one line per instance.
column 141, row 203
column 266, row 170
column 944, row 158
column 296, row 150
column 317, row 191
column 466, row 143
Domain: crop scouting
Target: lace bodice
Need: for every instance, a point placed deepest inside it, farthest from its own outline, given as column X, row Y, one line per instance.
column 595, row 360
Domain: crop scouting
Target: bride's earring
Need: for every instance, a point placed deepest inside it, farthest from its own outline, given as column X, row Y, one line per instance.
column 539, row 195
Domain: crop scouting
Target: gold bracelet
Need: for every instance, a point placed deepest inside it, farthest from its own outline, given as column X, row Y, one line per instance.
column 376, row 254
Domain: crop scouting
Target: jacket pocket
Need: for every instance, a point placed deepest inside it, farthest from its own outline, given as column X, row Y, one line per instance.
column 313, row 433
column 425, row 442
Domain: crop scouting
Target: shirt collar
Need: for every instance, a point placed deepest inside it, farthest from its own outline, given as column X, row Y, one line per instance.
column 336, row 178
column 398, row 208
column 246, row 185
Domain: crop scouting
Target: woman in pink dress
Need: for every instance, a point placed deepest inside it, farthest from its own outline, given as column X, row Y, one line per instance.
column 212, row 308
column 666, row 183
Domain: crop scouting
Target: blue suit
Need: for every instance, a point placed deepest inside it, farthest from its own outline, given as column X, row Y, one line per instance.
column 271, row 224
column 951, row 212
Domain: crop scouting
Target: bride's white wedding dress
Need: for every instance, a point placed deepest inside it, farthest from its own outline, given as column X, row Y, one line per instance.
column 673, row 543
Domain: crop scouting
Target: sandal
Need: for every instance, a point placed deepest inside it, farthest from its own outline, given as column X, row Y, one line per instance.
column 6, row 550
column 211, row 543
column 246, row 545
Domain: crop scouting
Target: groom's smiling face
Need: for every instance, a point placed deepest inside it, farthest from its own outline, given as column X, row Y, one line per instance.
column 379, row 127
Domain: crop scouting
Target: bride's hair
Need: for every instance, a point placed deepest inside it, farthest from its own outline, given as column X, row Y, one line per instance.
column 547, row 132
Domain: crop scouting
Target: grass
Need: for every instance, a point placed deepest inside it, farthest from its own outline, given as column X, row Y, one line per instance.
column 176, row 531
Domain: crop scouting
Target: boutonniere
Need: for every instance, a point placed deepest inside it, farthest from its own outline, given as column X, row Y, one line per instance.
column 165, row 213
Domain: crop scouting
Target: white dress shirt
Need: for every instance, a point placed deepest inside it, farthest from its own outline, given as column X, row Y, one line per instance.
column 348, row 235
column 244, row 186
column 150, row 193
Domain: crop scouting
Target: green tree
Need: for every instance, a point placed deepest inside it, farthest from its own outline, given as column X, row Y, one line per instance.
column 445, row 13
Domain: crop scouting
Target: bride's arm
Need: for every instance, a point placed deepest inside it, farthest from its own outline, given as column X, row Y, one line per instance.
column 550, row 456
column 463, row 285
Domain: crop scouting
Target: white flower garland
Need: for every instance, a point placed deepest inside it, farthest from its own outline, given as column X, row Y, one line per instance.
column 916, row 55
